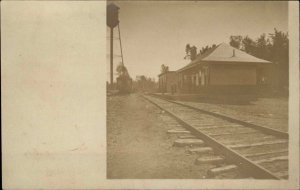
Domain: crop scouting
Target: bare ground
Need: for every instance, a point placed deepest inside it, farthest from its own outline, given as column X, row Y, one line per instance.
column 138, row 146
column 268, row 112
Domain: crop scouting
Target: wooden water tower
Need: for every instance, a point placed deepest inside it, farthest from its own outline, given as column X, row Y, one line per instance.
column 112, row 20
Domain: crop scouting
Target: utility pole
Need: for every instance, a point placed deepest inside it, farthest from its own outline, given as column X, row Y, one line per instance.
column 112, row 20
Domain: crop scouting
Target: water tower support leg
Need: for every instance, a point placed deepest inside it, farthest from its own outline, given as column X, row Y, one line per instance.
column 111, row 58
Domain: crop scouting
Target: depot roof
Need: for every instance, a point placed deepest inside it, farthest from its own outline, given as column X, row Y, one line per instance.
column 226, row 54
column 167, row 72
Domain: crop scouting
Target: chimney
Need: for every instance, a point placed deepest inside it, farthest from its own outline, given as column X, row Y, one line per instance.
column 233, row 53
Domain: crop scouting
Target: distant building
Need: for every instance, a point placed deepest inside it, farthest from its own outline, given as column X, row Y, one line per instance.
column 220, row 69
column 167, row 82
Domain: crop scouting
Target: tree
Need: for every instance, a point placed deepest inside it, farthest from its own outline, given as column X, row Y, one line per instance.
column 280, row 45
column 248, row 45
column 235, row 41
column 164, row 68
column 187, row 49
column 274, row 48
column 206, row 48
column 262, row 47
column 279, row 53
column 191, row 52
column 143, row 83
column 122, row 70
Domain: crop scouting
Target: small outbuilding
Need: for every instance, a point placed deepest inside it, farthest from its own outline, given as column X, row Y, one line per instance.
column 223, row 68
column 167, row 82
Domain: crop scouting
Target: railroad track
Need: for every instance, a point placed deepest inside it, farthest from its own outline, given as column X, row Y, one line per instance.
column 260, row 152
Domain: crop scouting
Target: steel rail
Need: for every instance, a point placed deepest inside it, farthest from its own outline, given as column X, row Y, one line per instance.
column 232, row 156
column 230, row 119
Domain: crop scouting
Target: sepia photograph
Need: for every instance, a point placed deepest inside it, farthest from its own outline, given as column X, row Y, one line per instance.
column 197, row 90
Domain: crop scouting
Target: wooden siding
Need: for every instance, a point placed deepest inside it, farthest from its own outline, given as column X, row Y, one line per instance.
column 167, row 81
column 232, row 75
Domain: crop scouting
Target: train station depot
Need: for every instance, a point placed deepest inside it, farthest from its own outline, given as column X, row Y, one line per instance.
column 221, row 69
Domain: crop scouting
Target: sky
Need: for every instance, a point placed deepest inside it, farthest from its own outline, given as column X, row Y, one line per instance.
column 156, row 33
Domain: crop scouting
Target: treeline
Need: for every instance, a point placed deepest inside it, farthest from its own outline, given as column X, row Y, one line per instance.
column 273, row 47
column 191, row 51
column 144, row 84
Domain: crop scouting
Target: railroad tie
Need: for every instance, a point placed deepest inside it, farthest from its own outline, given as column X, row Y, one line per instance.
column 188, row 142
column 232, row 133
column 178, row 131
column 201, row 150
column 258, row 144
column 209, row 160
column 282, row 174
column 274, row 159
column 220, row 170
column 216, row 126
column 265, row 153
